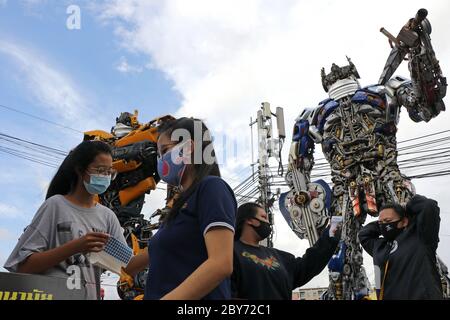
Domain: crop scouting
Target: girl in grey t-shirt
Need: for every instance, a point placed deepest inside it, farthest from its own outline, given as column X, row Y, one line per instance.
column 70, row 223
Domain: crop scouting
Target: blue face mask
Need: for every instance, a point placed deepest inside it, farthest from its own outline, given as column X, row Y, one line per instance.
column 98, row 183
column 171, row 166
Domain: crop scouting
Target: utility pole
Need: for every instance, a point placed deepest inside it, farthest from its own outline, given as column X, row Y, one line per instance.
column 268, row 147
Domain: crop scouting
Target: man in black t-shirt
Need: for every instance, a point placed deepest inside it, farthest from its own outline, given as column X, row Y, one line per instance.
column 263, row 273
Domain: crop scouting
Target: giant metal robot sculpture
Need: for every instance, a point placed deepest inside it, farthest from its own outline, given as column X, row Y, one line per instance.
column 357, row 130
column 134, row 158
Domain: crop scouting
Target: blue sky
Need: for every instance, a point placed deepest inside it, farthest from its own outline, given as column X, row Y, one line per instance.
column 216, row 60
column 88, row 59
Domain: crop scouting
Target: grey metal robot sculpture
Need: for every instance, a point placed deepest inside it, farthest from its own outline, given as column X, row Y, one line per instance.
column 357, row 130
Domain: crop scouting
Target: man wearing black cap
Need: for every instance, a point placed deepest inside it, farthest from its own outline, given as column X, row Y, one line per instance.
column 262, row 273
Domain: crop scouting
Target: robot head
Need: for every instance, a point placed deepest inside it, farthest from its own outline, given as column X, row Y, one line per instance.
column 125, row 118
column 341, row 81
column 125, row 123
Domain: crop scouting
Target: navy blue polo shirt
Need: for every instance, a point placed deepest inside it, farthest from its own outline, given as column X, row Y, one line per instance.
column 178, row 248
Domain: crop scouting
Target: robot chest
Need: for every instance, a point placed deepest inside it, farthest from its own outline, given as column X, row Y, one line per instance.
column 352, row 123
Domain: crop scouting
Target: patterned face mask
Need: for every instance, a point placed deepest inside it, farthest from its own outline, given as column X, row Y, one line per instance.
column 172, row 164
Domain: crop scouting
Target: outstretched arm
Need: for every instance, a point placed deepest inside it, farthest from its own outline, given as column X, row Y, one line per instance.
column 422, row 96
column 315, row 259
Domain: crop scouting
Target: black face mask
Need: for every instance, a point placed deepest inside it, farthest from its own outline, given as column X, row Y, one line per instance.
column 390, row 231
column 263, row 230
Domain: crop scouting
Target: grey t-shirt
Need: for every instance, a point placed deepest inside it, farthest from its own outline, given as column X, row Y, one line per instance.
column 57, row 222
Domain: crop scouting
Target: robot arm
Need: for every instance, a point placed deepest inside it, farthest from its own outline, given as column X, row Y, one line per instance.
column 301, row 154
column 304, row 207
column 422, row 95
column 403, row 93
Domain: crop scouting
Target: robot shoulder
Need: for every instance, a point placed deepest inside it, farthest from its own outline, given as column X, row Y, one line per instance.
column 323, row 111
column 312, row 120
column 314, row 115
column 395, row 83
column 374, row 95
column 375, row 89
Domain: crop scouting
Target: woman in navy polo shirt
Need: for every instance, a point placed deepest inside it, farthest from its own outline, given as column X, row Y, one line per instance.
column 191, row 255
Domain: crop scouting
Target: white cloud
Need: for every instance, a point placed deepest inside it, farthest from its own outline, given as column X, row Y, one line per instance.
column 34, row 8
column 31, row 6
column 10, row 212
column 50, row 87
column 33, row 2
column 42, row 181
column 226, row 57
column 124, row 67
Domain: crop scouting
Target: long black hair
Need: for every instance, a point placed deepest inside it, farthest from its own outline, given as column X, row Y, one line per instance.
column 202, row 169
column 245, row 211
column 66, row 178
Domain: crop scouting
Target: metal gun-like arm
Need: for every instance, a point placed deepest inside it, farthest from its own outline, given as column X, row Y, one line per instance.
column 422, row 95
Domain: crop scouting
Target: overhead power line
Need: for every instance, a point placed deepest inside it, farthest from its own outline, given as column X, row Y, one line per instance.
column 39, row 118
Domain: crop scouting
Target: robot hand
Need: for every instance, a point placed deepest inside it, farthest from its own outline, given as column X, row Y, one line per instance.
column 306, row 211
column 126, row 281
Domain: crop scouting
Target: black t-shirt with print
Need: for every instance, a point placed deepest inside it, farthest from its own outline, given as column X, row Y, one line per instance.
column 262, row 273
